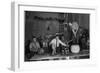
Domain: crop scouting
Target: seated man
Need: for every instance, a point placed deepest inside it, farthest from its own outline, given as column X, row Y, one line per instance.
column 55, row 44
column 34, row 46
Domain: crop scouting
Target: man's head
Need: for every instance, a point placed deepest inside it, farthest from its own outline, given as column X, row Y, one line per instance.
column 74, row 26
column 57, row 37
column 34, row 38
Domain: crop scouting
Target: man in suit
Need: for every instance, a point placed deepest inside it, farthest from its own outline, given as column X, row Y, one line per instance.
column 78, row 35
column 74, row 33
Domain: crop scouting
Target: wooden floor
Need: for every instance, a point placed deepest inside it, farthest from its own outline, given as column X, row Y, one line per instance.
column 45, row 57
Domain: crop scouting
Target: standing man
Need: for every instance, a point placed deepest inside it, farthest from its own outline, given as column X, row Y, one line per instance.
column 75, row 32
column 55, row 44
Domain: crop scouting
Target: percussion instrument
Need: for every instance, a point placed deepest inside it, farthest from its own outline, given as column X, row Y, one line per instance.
column 75, row 48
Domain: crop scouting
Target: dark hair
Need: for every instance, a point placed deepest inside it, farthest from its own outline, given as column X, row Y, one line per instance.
column 33, row 37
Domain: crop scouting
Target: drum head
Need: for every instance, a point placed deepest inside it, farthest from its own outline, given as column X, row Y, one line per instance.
column 75, row 48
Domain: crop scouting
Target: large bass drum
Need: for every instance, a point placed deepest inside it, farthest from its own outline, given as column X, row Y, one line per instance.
column 75, row 48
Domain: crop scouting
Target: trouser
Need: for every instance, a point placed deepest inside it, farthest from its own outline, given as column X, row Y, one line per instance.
column 56, row 50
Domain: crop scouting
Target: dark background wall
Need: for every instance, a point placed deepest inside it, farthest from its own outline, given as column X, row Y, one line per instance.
column 41, row 27
column 82, row 19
